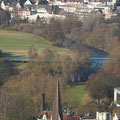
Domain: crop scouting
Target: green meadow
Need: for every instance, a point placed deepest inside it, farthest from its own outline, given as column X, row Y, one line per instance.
column 75, row 95
column 18, row 43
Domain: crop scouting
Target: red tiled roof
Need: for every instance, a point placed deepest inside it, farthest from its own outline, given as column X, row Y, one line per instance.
column 65, row 117
column 21, row 9
column 75, row 0
column 75, row 116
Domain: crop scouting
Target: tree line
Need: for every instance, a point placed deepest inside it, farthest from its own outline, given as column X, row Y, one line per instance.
column 94, row 33
column 21, row 94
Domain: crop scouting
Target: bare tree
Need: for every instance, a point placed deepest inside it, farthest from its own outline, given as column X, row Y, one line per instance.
column 3, row 104
column 33, row 53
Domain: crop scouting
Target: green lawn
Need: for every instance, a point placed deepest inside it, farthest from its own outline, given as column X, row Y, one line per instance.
column 74, row 96
column 18, row 43
column 78, row 92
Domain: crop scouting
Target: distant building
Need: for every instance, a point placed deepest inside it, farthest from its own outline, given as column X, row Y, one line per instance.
column 6, row 7
column 3, row 5
column 42, row 10
column 103, row 116
column 18, row 6
column 57, row 113
column 68, row 8
column 46, row 16
column 36, row 2
column 114, row 1
column 116, row 117
column 28, row 3
column 23, row 13
column 117, row 96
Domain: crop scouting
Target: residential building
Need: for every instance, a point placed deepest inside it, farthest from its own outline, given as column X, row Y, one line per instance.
column 103, row 116
column 68, row 8
column 57, row 113
column 18, row 6
column 23, row 13
column 36, row 2
column 117, row 96
column 3, row 5
column 42, row 10
column 47, row 17
column 28, row 3
column 116, row 117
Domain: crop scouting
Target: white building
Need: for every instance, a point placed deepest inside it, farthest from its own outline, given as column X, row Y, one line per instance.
column 116, row 117
column 47, row 17
column 42, row 10
column 117, row 96
column 113, row 2
column 36, row 2
column 103, row 116
column 3, row 5
column 23, row 13
column 68, row 8
column 27, row 3
column 18, row 6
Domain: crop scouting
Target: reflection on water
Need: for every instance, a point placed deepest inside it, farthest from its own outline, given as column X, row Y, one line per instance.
column 98, row 60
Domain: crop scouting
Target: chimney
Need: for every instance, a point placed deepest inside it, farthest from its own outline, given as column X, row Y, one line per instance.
column 43, row 102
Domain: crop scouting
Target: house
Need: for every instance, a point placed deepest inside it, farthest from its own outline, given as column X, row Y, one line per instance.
column 18, row 6
column 117, row 96
column 46, row 16
column 42, row 10
column 68, row 8
column 57, row 113
column 28, row 3
column 3, row 5
column 103, row 116
column 116, row 117
column 23, row 13
column 45, row 115
column 36, row 2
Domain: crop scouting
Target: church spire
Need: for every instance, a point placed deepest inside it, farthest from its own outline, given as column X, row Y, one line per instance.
column 57, row 108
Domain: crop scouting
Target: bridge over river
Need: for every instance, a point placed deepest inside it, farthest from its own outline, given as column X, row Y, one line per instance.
column 97, row 62
column 23, row 60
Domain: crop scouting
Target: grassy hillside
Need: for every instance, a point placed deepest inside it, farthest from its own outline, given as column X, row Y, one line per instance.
column 75, row 95
column 18, row 43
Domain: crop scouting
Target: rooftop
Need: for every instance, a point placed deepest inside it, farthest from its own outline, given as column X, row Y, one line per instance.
column 117, row 88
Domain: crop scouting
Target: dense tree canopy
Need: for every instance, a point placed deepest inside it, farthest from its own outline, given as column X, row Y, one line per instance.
column 103, row 83
column 4, row 17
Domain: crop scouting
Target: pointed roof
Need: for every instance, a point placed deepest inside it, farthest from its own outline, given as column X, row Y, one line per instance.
column 36, row 2
column 28, row 2
column 57, row 108
column 3, row 5
column 18, row 6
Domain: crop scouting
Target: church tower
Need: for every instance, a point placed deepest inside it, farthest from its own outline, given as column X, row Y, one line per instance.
column 57, row 108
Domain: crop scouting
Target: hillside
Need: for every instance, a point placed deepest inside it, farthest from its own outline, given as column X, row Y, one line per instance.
column 18, row 43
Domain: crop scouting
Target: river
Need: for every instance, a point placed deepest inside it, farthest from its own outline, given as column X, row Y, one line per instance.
column 98, row 60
